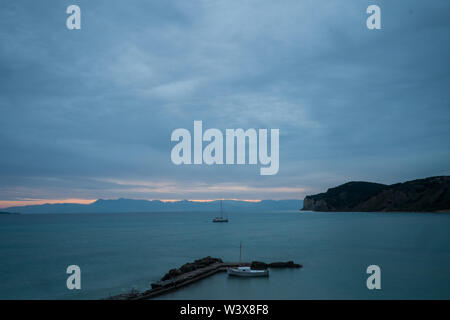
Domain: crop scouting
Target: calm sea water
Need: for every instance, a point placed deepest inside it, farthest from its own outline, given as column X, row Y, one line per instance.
column 117, row 252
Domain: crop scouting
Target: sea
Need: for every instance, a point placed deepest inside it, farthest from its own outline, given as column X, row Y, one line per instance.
column 118, row 253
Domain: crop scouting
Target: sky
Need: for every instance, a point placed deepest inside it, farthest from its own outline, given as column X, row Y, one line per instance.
column 88, row 114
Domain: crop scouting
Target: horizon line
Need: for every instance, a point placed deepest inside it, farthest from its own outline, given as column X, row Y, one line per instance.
column 4, row 204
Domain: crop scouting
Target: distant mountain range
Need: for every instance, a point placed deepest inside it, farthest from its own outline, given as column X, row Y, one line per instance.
column 423, row 195
column 130, row 205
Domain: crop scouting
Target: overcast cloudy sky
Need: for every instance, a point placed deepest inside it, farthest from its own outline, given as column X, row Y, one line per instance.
column 88, row 113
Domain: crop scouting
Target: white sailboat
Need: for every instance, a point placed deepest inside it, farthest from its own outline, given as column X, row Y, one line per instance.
column 246, row 271
column 221, row 218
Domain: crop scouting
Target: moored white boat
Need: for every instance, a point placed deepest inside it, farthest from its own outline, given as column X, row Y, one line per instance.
column 247, row 272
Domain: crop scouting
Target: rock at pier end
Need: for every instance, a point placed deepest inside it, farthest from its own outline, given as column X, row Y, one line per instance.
column 258, row 265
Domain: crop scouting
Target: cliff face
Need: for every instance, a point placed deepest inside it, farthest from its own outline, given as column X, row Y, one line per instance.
column 423, row 195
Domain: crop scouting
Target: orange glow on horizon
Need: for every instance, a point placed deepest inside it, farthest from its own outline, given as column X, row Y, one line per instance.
column 28, row 202
column 206, row 200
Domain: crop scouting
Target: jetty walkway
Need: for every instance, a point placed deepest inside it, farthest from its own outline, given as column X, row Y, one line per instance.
column 177, row 278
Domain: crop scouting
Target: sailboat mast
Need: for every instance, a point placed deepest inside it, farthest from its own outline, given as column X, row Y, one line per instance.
column 240, row 252
column 221, row 210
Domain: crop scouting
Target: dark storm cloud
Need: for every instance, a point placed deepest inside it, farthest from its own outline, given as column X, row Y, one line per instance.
column 89, row 113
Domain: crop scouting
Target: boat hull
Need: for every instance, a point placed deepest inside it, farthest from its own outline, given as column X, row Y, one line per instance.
column 247, row 273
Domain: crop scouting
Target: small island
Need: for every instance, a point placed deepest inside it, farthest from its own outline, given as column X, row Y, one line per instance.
column 422, row 195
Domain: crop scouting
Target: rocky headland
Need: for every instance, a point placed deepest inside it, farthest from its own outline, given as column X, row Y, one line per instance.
column 422, row 195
